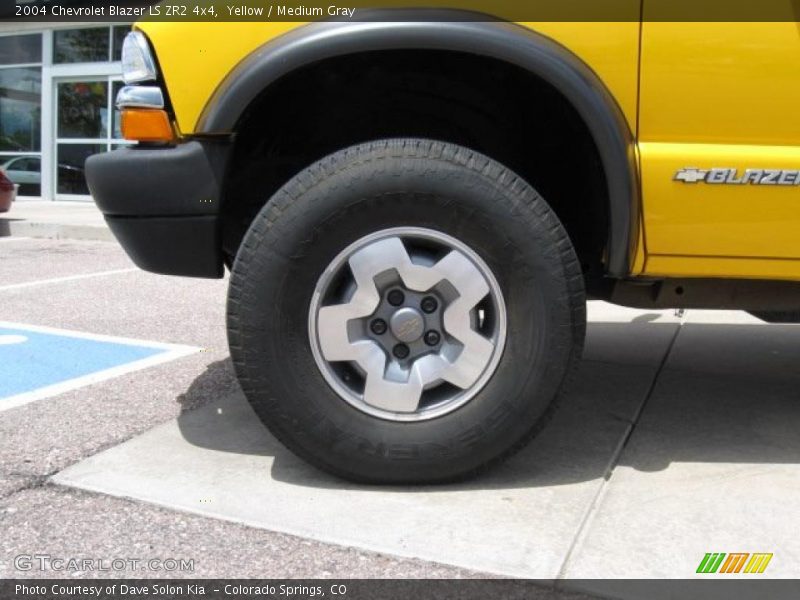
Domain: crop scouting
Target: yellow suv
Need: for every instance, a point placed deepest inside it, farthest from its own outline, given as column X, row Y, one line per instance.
column 414, row 211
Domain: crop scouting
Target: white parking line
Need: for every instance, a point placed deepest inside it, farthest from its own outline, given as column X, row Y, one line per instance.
column 79, row 382
column 16, row 286
column 98, row 337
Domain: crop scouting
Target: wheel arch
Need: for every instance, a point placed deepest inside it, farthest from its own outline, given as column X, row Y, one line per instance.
column 502, row 41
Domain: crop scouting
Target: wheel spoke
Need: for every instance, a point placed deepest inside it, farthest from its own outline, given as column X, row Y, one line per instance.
column 371, row 261
column 470, row 364
column 394, row 396
column 334, row 340
column 472, row 288
column 470, row 284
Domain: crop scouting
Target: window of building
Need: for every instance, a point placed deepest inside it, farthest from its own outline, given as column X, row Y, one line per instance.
column 20, row 49
column 118, row 34
column 21, row 110
column 94, row 44
column 80, row 45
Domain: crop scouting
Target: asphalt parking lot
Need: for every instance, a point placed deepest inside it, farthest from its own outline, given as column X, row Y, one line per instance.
column 678, row 439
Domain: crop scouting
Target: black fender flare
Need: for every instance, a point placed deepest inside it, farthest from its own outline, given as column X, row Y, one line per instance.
column 504, row 41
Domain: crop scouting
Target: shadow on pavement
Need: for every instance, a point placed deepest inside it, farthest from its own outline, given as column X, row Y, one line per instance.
column 727, row 393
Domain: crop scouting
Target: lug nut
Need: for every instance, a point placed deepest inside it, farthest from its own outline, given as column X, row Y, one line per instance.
column 378, row 326
column 396, row 297
column 432, row 337
column 401, row 351
column 428, row 304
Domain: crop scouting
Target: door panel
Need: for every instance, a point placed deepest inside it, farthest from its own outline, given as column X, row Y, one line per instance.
column 720, row 96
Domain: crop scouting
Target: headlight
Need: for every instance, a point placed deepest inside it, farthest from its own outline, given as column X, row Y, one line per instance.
column 137, row 60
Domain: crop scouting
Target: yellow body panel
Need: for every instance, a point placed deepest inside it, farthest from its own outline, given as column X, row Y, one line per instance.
column 721, row 83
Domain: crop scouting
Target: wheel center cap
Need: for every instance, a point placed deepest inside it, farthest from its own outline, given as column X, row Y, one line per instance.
column 407, row 325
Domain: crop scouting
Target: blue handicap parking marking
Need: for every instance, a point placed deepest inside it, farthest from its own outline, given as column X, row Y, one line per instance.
column 38, row 362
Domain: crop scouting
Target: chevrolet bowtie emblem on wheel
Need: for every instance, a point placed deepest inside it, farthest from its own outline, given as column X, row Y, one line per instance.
column 732, row 177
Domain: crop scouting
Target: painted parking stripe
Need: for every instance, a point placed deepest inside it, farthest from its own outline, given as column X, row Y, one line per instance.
column 40, row 362
column 26, row 284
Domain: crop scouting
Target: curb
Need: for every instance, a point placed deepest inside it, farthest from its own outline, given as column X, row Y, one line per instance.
column 54, row 231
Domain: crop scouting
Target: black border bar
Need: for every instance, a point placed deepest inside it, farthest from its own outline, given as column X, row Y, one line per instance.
column 356, row 10
column 711, row 588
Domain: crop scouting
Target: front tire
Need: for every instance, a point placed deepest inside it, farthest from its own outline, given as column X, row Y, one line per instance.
column 334, row 345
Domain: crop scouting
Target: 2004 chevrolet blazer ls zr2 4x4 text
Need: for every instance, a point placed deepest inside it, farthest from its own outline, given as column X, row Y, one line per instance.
column 414, row 212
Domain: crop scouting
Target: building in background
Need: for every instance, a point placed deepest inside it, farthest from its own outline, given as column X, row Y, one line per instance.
column 57, row 90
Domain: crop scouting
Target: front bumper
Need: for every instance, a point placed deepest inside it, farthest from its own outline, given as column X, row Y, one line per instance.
column 163, row 204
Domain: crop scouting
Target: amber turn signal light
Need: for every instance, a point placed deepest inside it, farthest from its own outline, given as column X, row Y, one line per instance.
column 146, row 125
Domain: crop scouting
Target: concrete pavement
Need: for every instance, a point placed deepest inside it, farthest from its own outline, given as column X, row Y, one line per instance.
column 713, row 463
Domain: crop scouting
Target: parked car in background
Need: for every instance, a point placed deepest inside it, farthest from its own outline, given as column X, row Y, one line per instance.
column 8, row 192
column 26, row 171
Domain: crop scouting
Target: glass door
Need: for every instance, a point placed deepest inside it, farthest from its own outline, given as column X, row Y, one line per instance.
column 86, row 123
